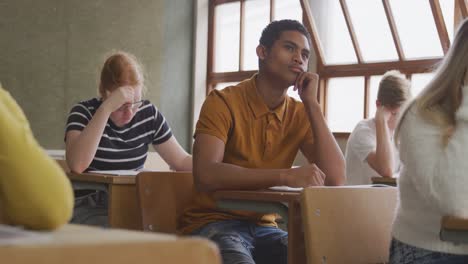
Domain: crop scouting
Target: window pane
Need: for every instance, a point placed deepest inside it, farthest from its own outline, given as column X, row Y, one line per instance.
column 374, row 88
column 416, row 28
column 220, row 86
column 333, row 33
column 257, row 16
column 288, row 9
column 345, row 103
column 372, row 30
column 419, row 82
column 448, row 11
column 227, row 30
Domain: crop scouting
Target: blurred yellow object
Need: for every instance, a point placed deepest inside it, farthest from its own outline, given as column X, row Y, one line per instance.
column 34, row 190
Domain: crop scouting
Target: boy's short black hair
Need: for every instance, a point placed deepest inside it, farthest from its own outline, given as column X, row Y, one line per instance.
column 273, row 31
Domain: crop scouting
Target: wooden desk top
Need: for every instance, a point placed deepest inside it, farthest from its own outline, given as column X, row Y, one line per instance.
column 384, row 180
column 83, row 244
column 72, row 234
column 101, row 178
column 112, row 178
column 259, row 195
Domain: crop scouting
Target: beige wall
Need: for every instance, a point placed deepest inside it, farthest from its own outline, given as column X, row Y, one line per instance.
column 51, row 52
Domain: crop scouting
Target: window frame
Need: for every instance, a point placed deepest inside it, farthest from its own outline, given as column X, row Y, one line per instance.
column 214, row 78
column 327, row 71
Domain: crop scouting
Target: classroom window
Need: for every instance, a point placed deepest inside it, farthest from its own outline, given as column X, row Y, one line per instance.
column 347, row 94
column 448, row 11
column 419, row 82
column 332, row 31
column 227, row 34
column 287, row 9
column 418, row 34
column 234, row 30
column 356, row 42
column 257, row 15
column 375, row 39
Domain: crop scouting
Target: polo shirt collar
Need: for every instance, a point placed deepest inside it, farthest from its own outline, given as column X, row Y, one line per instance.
column 258, row 106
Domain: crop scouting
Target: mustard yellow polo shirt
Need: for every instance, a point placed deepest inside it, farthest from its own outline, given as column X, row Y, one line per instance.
column 255, row 137
column 34, row 191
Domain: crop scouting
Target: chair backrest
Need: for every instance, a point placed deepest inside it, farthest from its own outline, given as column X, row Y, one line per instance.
column 348, row 224
column 162, row 197
column 454, row 229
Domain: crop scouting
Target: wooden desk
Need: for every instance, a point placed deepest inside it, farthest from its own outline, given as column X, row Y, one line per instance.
column 73, row 244
column 384, row 180
column 123, row 209
column 454, row 229
column 296, row 249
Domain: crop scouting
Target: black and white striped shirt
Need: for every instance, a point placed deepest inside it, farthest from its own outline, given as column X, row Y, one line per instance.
column 122, row 148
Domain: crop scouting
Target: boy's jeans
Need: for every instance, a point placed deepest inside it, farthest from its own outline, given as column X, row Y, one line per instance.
column 402, row 253
column 247, row 243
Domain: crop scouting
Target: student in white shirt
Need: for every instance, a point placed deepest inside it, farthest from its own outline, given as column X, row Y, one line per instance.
column 433, row 141
column 370, row 151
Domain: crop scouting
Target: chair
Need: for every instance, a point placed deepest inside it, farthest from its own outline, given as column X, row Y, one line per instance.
column 385, row 181
column 162, row 198
column 454, row 229
column 348, row 224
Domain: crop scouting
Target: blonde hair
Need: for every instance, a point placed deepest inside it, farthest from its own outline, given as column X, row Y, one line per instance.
column 120, row 68
column 393, row 89
column 441, row 98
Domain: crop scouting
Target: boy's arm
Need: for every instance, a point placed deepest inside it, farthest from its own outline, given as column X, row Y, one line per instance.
column 174, row 155
column 211, row 173
column 327, row 153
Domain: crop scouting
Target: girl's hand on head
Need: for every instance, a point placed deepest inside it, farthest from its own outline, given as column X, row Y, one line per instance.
column 119, row 97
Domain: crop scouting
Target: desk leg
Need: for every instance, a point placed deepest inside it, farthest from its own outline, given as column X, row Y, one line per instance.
column 124, row 211
column 296, row 247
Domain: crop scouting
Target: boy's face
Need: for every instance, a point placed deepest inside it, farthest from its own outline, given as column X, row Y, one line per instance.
column 287, row 58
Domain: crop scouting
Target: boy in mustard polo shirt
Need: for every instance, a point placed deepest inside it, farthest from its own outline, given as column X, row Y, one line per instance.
column 247, row 137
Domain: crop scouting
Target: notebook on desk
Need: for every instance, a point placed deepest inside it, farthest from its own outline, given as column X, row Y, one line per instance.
column 286, row 189
column 120, row 172
column 10, row 235
column 299, row 189
column 116, row 172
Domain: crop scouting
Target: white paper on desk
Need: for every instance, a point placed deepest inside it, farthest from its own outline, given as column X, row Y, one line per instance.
column 10, row 235
column 286, row 189
column 120, row 172
column 116, row 172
